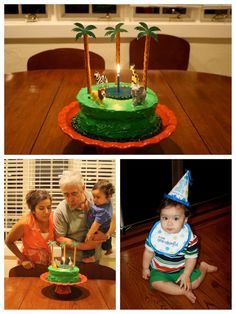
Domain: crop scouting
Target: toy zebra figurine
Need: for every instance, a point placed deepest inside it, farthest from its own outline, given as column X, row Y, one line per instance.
column 135, row 78
column 101, row 79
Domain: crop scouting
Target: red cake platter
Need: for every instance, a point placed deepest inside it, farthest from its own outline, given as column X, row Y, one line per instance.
column 167, row 116
column 64, row 288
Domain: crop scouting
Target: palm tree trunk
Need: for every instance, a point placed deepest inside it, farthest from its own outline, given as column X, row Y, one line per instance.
column 146, row 59
column 117, row 51
column 52, row 256
column 87, row 64
column 118, row 48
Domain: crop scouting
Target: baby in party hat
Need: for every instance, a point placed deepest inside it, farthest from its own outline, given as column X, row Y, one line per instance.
column 171, row 249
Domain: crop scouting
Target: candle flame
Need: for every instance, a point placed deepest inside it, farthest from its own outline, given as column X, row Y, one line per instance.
column 118, row 68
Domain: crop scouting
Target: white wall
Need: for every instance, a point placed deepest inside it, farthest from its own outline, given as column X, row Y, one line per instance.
column 206, row 55
column 210, row 42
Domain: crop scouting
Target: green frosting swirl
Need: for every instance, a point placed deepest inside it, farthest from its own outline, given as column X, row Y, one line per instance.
column 63, row 275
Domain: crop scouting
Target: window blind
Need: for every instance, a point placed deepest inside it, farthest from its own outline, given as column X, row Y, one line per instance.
column 22, row 175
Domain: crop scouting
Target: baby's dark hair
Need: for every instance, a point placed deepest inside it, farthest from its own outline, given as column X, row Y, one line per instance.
column 105, row 186
column 168, row 202
column 35, row 196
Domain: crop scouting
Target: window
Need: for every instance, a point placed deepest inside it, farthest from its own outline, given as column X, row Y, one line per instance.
column 108, row 9
column 116, row 12
column 163, row 12
column 75, row 8
column 22, row 175
column 217, row 14
column 25, row 11
column 11, row 9
column 90, row 11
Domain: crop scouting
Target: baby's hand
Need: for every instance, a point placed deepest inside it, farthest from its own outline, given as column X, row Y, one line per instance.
column 27, row 264
column 146, row 273
column 184, row 282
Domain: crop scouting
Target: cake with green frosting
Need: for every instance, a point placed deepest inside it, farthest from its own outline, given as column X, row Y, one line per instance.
column 110, row 115
column 63, row 274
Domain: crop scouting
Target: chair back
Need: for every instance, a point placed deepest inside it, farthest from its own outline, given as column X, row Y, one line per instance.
column 20, row 271
column 169, row 52
column 64, row 58
column 96, row 271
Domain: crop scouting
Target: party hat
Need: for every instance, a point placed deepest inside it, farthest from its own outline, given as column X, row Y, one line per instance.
column 179, row 193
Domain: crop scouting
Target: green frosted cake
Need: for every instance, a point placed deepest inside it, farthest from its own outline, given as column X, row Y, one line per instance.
column 63, row 275
column 107, row 116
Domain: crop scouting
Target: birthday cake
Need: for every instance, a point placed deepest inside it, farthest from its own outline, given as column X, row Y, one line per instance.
column 117, row 116
column 116, row 111
column 64, row 274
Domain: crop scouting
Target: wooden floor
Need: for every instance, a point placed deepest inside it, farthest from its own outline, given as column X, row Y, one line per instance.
column 214, row 293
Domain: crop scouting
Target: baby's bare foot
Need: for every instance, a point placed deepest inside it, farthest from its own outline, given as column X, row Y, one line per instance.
column 189, row 294
column 209, row 268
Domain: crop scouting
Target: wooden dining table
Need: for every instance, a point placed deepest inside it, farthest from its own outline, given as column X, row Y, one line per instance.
column 33, row 293
column 201, row 103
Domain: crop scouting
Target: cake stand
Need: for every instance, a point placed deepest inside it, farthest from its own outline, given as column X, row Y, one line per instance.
column 167, row 116
column 63, row 288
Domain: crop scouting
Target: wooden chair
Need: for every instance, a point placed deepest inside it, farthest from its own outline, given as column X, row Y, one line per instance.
column 64, row 58
column 96, row 271
column 20, row 271
column 169, row 52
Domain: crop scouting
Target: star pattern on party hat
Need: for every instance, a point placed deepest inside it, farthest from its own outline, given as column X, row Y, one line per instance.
column 179, row 193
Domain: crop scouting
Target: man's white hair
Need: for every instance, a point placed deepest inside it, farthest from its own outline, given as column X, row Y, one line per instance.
column 71, row 177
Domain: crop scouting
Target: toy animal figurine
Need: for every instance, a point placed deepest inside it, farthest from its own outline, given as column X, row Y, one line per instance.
column 57, row 262
column 96, row 96
column 101, row 79
column 134, row 78
column 138, row 94
column 71, row 265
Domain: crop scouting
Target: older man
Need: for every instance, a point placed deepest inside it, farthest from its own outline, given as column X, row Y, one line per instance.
column 70, row 215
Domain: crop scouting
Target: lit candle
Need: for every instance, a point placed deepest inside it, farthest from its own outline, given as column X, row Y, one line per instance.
column 118, row 78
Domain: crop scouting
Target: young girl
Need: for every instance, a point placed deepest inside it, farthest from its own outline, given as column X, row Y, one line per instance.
column 171, row 249
column 100, row 216
column 35, row 230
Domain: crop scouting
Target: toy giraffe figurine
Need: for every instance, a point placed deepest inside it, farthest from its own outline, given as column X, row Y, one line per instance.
column 135, row 78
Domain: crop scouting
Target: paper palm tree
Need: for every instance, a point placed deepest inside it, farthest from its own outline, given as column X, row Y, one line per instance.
column 85, row 32
column 63, row 246
column 51, row 245
column 114, row 33
column 148, row 33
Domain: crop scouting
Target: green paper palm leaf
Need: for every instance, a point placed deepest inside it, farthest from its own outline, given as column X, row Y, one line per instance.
column 82, row 31
column 109, row 33
column 62, row 244
column 91, row 34
column 141, row 34
column 75, row 243
column 145, row 31
column 112, row 31
column 144, row 25
column 90, row 27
